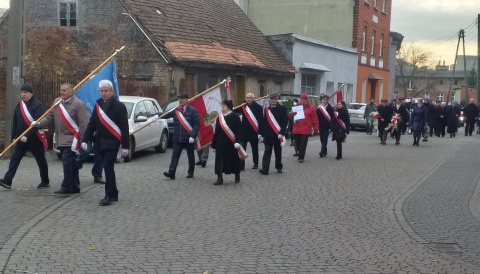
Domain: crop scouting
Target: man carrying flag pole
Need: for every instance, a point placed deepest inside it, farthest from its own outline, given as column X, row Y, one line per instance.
column 27, row 110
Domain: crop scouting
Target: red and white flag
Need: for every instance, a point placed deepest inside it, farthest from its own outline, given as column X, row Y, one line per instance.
column 209, row 108
column 337, row 96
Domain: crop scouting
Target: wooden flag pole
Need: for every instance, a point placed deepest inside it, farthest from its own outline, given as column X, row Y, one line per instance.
column 189, row 100
column 54, row 105
column 258, row 99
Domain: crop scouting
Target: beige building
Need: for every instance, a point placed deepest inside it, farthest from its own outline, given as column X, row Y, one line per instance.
column 305, row 17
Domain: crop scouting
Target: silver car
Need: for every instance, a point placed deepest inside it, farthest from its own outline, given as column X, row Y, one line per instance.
column 356, row 112
column 139, row 110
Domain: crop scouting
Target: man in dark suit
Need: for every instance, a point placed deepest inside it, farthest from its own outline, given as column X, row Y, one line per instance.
column 185, row 129
column 386, row 112
column 252, row 122
column 110, row 122
column 325, row 116
column 273, row 132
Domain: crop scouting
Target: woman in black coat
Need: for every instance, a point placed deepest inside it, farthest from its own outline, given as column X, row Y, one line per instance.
column 452, row 114
column 226, row 155
column 340, row 126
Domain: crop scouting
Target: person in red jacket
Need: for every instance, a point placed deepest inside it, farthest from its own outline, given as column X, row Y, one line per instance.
column 303, row 128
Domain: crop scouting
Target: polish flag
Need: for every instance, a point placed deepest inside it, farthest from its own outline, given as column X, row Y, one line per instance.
column 209, row 108
column 336, row 97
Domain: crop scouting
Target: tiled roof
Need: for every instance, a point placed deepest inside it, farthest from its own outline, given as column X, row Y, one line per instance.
column 208, row 31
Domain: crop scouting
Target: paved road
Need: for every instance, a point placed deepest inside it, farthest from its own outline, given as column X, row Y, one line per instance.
column 372, row 212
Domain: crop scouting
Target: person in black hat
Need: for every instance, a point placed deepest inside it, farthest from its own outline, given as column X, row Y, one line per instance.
column 273, row 132
column 27, row 111
column 185, row 129
column 226, row 141
column 386, row 112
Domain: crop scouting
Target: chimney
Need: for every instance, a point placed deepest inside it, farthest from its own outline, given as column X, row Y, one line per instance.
column 439, row 62
column 443, row 62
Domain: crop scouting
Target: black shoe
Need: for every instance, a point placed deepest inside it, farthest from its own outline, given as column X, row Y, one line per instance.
column 397, row 144
column 291, row 144
column 169, row 175
column 279, row 171
column 338, row 157
column 190, row 175
column 300, row 160
column 384, row 143
column 255, row 166
column 203, row 164
column 43, row 185
column 424, row 140
column 199, row 163
column 321, row 155
column 106, row 201
column 62, row 191
column 5, row 184
column 98, row 180
column 370, row 133
column 417, row 144
column 263, row 171
column 296, row 154
column 237, row 178
column 219, row 181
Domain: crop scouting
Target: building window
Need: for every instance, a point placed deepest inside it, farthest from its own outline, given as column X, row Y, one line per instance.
column 373, row 43
column 383, row 6
column 366, row 1
column 380, row 45
column 410, row 85
column 441, row 82
column 364, row 38
column 440, row 97
column 455, row 82
column 453, row 97
column 68, row 14
column 375, row 4
column 308, row 83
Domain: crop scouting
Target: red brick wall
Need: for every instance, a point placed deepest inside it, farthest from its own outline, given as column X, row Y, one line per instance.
column 363, row 17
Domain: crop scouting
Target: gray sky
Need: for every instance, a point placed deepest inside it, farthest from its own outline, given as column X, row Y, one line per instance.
column 434, row 25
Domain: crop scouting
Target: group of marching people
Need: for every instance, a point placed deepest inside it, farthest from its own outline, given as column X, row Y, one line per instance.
column 107, row 128
column 419, row 116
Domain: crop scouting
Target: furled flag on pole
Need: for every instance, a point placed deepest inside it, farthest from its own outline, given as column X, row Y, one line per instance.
column 337, row 96
column 209, row 108
column 89, row 93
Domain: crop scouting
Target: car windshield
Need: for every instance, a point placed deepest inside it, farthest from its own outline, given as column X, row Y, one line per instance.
column 286, row 96
column 168, row 106
column 129, row 106
column 355, row 106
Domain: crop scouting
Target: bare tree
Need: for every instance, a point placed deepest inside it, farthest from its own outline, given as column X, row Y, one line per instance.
column 409, row 59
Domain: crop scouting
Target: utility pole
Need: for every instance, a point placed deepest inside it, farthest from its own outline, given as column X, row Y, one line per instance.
column 15, row 50
column 464, row 70
column 454, row 65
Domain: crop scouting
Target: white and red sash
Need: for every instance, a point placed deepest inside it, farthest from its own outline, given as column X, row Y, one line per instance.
column 395, row 119
column 71, row 126
column 250, row 117
column 111, row 127
column 340, row 122
column 28, row 119
column 223, row 124
column 186, row 125
column 324, row 111
column 274, row 125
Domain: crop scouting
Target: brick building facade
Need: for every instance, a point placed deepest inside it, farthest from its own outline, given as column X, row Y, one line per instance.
column 371, row 36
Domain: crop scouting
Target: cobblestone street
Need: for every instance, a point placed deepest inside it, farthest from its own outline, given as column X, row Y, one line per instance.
column 381, row 209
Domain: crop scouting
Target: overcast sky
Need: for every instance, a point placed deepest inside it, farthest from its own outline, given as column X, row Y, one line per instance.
column 433, row 24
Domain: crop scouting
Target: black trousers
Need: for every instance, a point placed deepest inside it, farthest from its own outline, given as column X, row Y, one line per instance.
column 19, row 150
column 108, row 158
column 469, row 126
column 267, row 155
column 254, row 144
column 301, row 141
column 71, row 181
column 177, row 151
column 339, row 149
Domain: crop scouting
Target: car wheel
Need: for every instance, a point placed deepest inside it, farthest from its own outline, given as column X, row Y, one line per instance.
column 131, row 150
column 162, row 146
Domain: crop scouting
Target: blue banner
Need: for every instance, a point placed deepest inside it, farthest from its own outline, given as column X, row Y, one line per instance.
column 89, row 93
